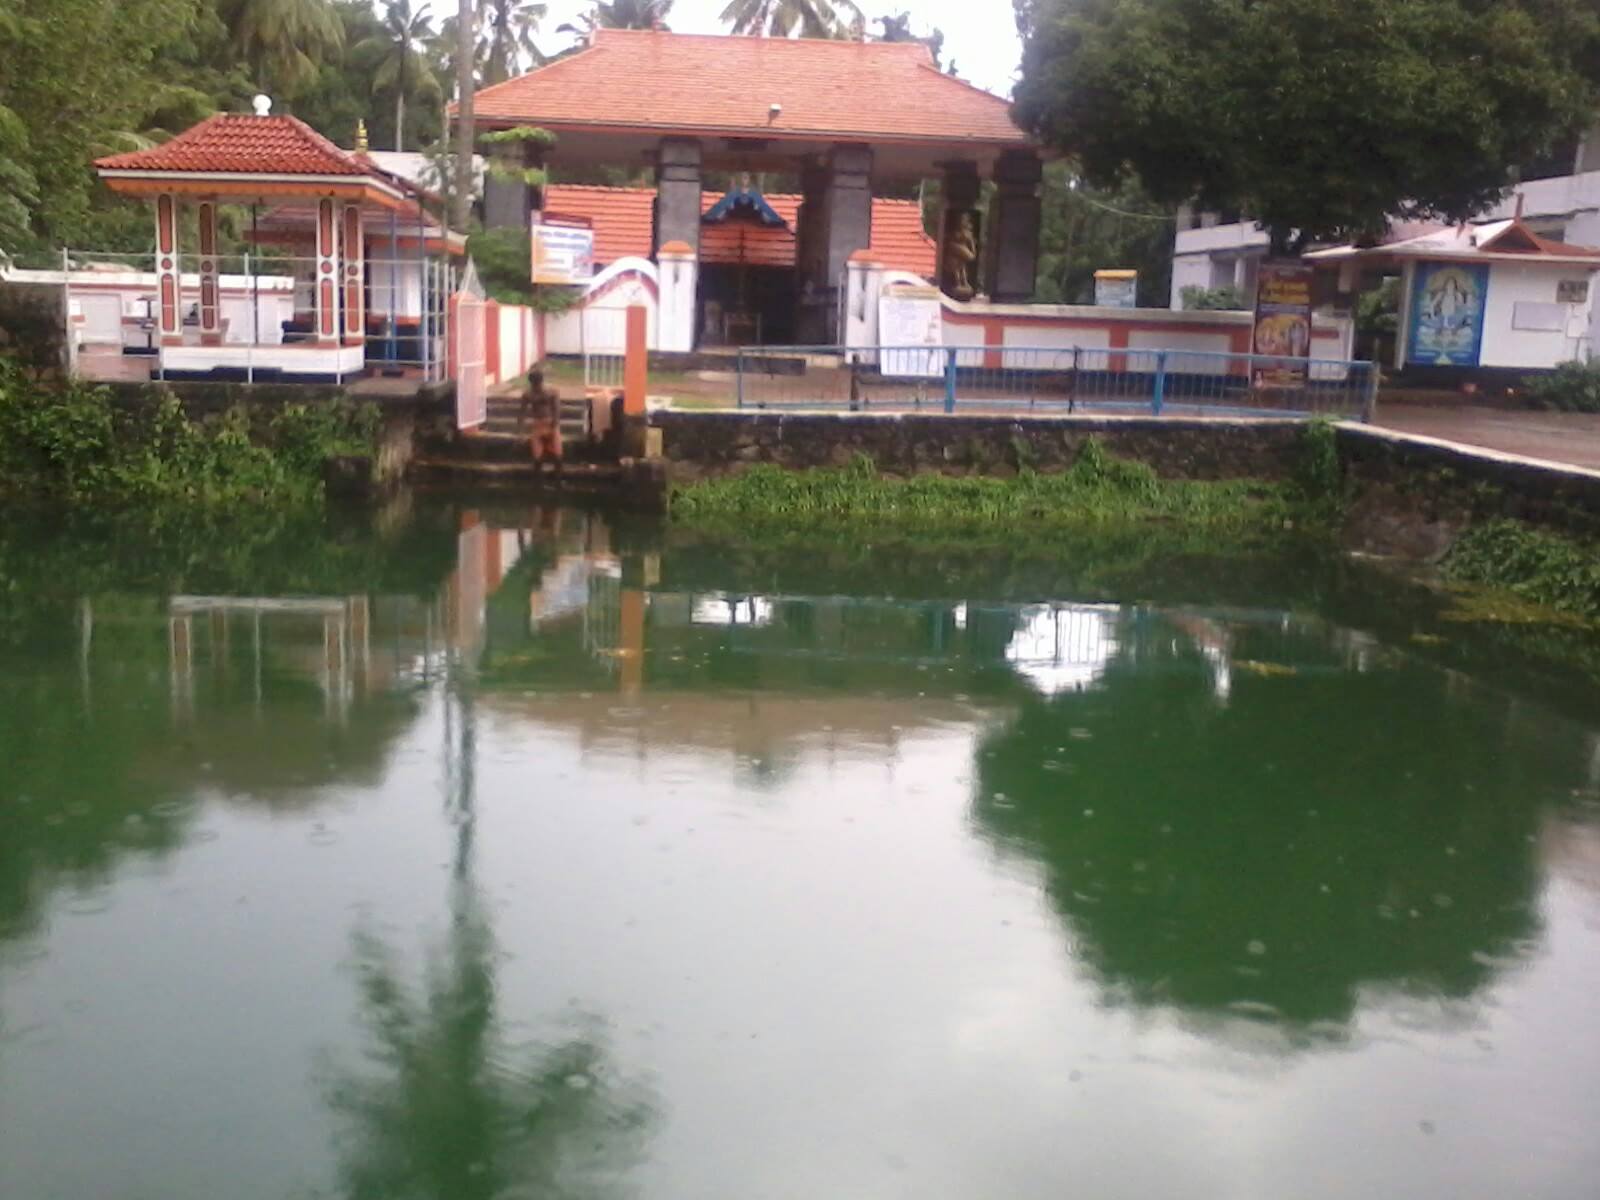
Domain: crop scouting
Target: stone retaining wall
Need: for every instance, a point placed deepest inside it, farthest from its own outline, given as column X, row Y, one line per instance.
column 1455, row 483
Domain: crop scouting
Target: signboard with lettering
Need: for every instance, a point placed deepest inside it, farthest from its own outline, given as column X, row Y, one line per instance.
column 1283, row 323
column 1116, row 289
column 562, row 253
column 911, row 328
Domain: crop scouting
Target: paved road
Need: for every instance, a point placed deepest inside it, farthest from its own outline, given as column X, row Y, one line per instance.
column 1572, row 438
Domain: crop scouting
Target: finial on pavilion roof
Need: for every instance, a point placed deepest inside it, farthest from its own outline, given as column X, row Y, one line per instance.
column 362, row 145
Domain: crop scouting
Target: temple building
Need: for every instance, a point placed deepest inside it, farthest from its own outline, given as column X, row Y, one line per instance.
column 349, row 274
column 749, row 253
column 847, row 121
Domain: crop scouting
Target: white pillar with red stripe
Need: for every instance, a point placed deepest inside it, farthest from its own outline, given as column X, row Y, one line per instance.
column 169, row 271
column 353, row 244
column 210, row 275
column 327, row 268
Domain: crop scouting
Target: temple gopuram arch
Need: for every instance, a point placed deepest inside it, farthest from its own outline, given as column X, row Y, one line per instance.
column 845, row 119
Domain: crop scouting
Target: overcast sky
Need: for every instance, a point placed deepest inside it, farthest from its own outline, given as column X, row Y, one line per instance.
column 980, row 35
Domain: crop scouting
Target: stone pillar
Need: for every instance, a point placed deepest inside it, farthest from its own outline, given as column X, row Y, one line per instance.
column 811, row 267
column 960, row 232
column 847, row 225
column 354, row 244
column 327, row 290
column 169, row 270
column 210, row 276
column 679, row 280
column 509, row 200
column 1015, row 219
column 678, row 193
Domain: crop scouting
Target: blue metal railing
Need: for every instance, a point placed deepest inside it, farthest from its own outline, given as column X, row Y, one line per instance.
column 1160, row 381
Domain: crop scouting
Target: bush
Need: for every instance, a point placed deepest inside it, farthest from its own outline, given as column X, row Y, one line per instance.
column 1544, row 567
column 1571, row 387
column 1212, row 299
column 68, row 444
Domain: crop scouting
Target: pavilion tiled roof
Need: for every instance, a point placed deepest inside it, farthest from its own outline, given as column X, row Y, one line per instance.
column 623, row 222
column 235, row 144
column 648, row 80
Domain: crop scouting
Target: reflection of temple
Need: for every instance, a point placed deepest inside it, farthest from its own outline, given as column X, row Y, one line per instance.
column 558, row 615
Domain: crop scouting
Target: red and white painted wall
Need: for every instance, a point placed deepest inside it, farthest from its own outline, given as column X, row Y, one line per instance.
column 997, row 335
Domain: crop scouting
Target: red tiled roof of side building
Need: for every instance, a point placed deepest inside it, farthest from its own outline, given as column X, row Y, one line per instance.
column 623, row 222
column 236, row 144
column 623, row 218
column 866, row 91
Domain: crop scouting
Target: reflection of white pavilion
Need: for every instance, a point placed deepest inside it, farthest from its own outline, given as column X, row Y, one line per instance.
column 1064, row 647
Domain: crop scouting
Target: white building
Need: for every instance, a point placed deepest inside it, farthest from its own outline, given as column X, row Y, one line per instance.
column 1213, row 252
column 1495, row 296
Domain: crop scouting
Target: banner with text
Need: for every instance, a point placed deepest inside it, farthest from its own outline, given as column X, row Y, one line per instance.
column 562, row 253
column 1283, row 323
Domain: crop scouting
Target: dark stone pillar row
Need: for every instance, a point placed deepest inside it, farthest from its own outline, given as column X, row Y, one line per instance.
column 835, row 222
column 678, row 188
column 1012, row 264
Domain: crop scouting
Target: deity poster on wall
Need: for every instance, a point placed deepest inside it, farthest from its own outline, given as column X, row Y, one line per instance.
column 1283, row 324
column 1447, row 306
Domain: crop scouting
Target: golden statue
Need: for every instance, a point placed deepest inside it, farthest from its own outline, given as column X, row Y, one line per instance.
column 960, row 252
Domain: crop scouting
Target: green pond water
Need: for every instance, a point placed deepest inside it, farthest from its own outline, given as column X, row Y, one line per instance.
column 500, row 853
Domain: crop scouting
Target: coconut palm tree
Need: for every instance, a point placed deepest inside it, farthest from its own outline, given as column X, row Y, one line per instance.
column 784, row 18
column 506, row 39
column 466, row 122
column 397, row 61
column 619, row 14
column 448, row 1106
column 283, row 41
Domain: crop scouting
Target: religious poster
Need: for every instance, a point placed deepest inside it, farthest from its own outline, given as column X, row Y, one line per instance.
column 562, row 253
column 1447, row 305
column 911, row 331
column 1283, row 323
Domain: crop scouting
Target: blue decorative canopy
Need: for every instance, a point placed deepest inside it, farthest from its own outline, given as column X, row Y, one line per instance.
column 743, row 200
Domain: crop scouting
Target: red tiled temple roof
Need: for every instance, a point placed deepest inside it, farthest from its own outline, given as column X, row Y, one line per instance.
column 234, row 144
column 666, row 82
column 622, row 221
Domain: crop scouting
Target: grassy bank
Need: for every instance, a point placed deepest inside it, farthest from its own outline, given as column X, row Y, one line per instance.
column 1535, row 566
column 1098, row 490
column 68, row 447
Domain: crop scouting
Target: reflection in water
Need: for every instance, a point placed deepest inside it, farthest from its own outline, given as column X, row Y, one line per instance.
column 838, row 869
column 449, row 1108
column 1324, row 832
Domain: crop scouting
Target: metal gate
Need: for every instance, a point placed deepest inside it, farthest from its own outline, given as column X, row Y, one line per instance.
column 472, row 353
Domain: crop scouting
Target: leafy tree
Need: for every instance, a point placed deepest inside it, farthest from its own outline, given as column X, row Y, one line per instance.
column 76, row 77
column 506, row 42
column 283, row 41
column 19, row 190
column 785, row 18
column 396, row 56
column 1084, row 230
column 1322, row 120
column 341, row 95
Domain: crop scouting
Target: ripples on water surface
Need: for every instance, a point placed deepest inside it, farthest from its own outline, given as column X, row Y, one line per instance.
column 585, row 866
